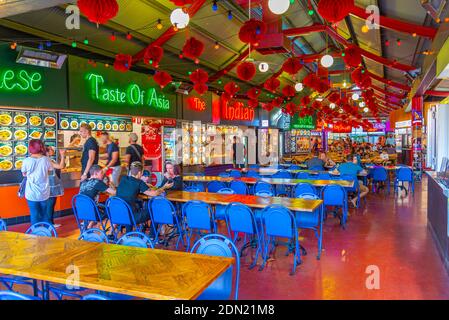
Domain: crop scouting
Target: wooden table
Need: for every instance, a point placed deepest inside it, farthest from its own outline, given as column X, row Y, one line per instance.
column 145, row 273
column 263, row 171
column 251, row 201
column 388, row 168
column 288, row 182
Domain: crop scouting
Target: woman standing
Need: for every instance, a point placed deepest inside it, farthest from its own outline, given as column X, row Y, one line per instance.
column 56, row 188
column 36, row 169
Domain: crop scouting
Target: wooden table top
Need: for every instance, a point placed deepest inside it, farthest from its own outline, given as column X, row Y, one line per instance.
column 269, row 171
column 388, row 168
column 249, row 200
column 290, row 182
column 145, row 273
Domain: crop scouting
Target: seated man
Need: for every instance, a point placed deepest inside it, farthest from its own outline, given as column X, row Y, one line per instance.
column 93, row 186
column 351, row 168
column 315, row 163
column 131, row 186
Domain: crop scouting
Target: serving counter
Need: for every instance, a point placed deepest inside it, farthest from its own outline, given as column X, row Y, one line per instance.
column 438, row 215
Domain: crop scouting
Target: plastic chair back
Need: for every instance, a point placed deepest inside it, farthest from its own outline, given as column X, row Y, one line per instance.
column 235, row 174
column 263, row 186
column 42, row 229
column 282, row 174
column 240, row 218
column 303, row 175
column 317, row 168
column 85, row 209
column 252, row 174
column 302, row 188
column 162, row 210
column 279, row 221
column 239, row 187
column 214, row 186
column 192, row 189
column 199, row 215
column 404, row 174
column 218, row 245
column 94, row 235
column 224, row 175
column 119, row 212
column 135, row 239
column 226, row 191
column 3, row 226
column 380, row 174
column 333, row 195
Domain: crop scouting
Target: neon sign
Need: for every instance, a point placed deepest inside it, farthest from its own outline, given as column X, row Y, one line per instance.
column 133, row 94
column 306, row 123
column 20, row 80
column 196, row 104
column 236, row 110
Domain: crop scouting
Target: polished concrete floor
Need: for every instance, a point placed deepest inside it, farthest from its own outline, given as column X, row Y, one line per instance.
column 386, row 252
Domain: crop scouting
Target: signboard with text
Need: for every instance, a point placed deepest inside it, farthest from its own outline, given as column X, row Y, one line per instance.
column 306, row 123
column 105, row 90
column 30, row 86
column 196, row 107
column 237, row 112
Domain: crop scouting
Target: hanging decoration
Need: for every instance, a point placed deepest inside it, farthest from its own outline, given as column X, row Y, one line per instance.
column 288, row 91
column 182, row 3
column 123, row 62
column 327, row 61
column 98, row 11
column 193, row 48
column 272, row 84
column 278, row 6
column 335, row 10
column 199, row 76
column 312, row 81
column 276, row 102
column 179, row 18
column 153, row 55
column 201, row 88
column 253, row 93
column 231, row 88
column 252, row 31
column 253, row 103
column 162, row 78
column 305, row 101
column 334, row 97
column 246, row 71
column 290, row 109
column 292, row 66
column 352, row 56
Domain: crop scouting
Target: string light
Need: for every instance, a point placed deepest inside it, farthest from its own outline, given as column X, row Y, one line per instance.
column 48, row 44
column 13, row 45
column 387, row 43
column 129, row 36
column 159, row 25
column 86, row 41
column 217, row 45
column 214, row 5
column 365, row 29
column 74, row 44
column 113, row 37
column 399, row 42
column 40, row 46
column 230, row 16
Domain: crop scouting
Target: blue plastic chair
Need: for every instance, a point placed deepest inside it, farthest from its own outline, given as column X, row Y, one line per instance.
column 263, row 186
column 214, row 186
column 303, row 175
column 11, row 295
column 218, row 245
column 282, row 190
column 199, row 218
column 335, row 196
column 192, row 189
column 163, row 213
column 135, row 239
column 120, row 214
column 235, row 174
column 241, row 219
column 239, row 187
column 301, row 188
column 254, row 166
column 224, row 175
column 86, row 210
column 380, row 175
column 40, row 229
column 294, row 167
column 324, row 176
column 94, row 235
column 312, row 220
column 199, row 186
column 403, row 175
column 95, row 297
column 316, row 168
column 220, row 213
column 279, row 222
column 252, row 174
column 3, row 226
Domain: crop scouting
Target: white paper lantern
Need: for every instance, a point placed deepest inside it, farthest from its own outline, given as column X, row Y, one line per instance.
column 327, row 61
column 278, row 6
column 332, row 106
column 299, row 87
column 362, row 104
column 179, row 18
column 263, row 67
column 366, row 110
column 355, row 97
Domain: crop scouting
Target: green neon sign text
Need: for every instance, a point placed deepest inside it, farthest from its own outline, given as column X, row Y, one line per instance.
column 20, row 80
column 132, row 95
column 308, row 122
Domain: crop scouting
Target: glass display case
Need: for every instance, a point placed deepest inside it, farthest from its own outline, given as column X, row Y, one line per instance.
column 193, row 143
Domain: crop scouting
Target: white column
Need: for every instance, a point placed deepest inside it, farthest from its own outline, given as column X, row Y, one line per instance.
column 442, row 133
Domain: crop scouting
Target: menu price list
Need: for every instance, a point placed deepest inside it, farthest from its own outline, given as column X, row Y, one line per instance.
column 17, row 128
column 73, row 121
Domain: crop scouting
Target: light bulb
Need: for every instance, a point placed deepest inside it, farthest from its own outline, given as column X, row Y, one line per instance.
column 179, row 18
column 365, row 110
column 263, row 67
column 362, row 104
column 278, row 6
column 327, row 61
column 355, row 97
column 332, row 106
column 299, row 87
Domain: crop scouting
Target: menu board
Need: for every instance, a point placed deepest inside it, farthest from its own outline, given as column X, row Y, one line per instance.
column 73, row 121
column 17, row 128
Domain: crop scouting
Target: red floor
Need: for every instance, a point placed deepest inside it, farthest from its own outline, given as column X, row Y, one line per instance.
column 390, row 233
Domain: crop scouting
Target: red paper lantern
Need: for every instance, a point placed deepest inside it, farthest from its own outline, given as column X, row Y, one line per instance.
column 316, row 105
column 289, row 91
column 193, row 48
column 123, row 62
column 335, row 10
column 201, row 88
column 153, row 55
column 334, row 97
column 272, row 84
column 277, row 102
column 98, row 11
column 305, row 101
column 352, row 57
column 231, row 88
column 252, row 31
column 322, row 87
column 182, row 3
column 199, row 76
column 311, row 81
column 292, row 66
column 246, row 71
column 162, row 78
column 290, row 108
column 252, row 103
column 268, row 107
column 253, row 93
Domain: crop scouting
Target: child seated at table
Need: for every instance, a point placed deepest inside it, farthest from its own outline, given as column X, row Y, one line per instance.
column 131, row 186
column 93, row 186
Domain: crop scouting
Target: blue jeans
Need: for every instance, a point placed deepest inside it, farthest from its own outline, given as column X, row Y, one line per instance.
column 38, row 211
column 51, row 209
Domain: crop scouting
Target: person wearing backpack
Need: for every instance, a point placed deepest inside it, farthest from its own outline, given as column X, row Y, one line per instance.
column 134, row 152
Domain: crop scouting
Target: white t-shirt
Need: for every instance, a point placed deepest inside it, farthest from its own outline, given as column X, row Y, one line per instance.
column 37, row 186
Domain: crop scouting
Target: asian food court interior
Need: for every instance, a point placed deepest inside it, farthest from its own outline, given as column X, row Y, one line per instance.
column 224, row 150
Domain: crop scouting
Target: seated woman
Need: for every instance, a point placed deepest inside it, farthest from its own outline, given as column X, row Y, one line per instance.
column 172, row 175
